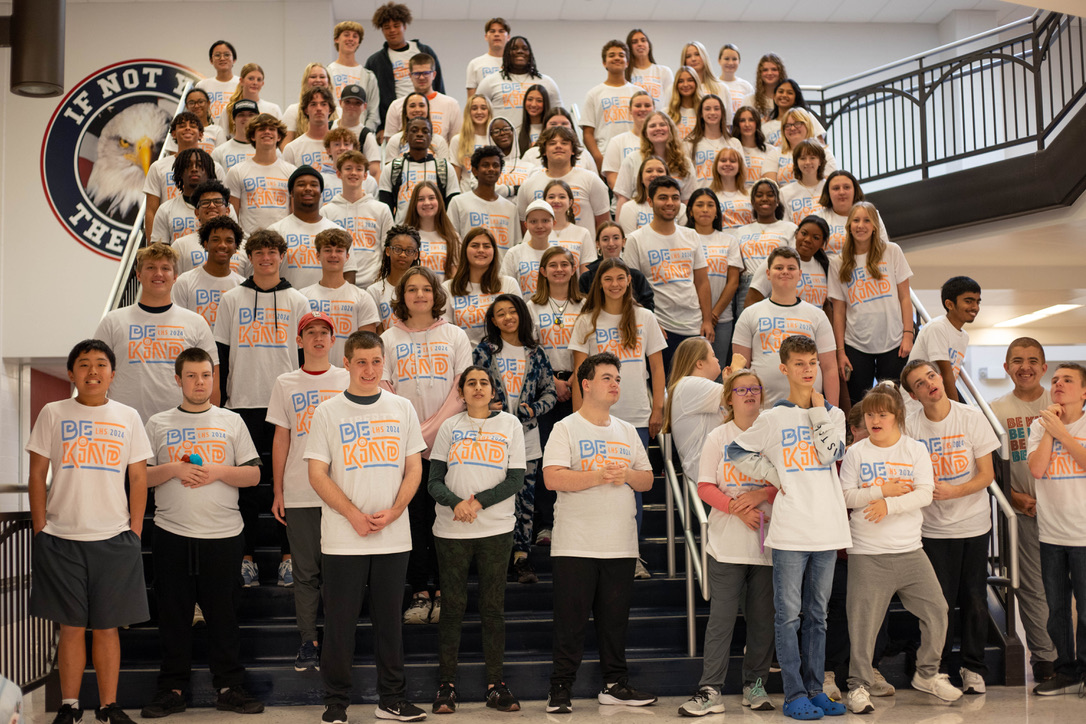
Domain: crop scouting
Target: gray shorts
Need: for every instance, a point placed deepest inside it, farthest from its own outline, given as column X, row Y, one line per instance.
column 95, row 584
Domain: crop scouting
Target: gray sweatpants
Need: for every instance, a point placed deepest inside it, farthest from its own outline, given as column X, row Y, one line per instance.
column 1032, row 604
column 730, row 584
column 872, row 582
column 304, row 534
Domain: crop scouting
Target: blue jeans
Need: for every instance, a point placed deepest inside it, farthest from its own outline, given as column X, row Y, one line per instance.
column 1063, row 571
column 802, row 581
column 723, row 342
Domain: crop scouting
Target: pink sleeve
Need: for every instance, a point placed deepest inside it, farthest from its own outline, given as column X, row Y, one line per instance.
column 714, row 496
column 452, row 405
column 773, row 490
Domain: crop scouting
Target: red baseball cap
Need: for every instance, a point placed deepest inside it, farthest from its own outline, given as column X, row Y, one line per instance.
column 312, row 317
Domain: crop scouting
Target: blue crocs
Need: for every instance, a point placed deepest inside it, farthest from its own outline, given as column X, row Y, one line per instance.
column 828, row 706
column 802, row 709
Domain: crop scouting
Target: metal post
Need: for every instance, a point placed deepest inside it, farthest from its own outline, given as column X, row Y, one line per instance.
column 665, row 450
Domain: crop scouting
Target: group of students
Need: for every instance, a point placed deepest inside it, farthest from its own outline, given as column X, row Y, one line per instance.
column 521, row 307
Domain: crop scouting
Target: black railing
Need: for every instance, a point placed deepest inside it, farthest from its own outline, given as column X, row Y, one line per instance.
column 961, row 101
column 27, row 644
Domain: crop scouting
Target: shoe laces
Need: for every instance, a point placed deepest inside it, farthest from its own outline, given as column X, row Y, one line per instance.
column 757, row 688
column 703, row 695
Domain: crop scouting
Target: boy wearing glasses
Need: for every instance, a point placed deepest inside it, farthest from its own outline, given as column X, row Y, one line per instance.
column 211, row 200
column 445, row 111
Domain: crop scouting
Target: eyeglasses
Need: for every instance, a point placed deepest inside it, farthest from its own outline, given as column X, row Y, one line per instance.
column 220, row 56
column 500, row 129
column 744, row 391
column 794, row 126
column 403, row 251
column 210, row 203
column 421, row 74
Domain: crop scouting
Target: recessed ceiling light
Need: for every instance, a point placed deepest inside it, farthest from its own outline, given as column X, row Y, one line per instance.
column 1039, row 314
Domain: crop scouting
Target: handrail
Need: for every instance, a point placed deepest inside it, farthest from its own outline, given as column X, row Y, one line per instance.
column 28, row 644
column 123, row 282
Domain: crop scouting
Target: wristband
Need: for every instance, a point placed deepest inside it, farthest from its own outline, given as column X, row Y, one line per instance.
column 909, row 331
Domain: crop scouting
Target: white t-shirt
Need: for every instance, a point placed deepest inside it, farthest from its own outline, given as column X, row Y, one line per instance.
column 198, row 291
column 757, row 240
column 175, row 218
column 89, row 451
column 414, row 173
column 695, row 410
column 735, row 208
column 506, row 95
column 218, row 93
column 401, row 67
column 367, row 221
column 873, row 322
column 301, row 266
column 433, row 252
column 308, row 151
column 342, row 76
column 263, row 106
column 294, row 398
column 669, row 263
column 589, row 195
column 499, row 216
column 349, row 307
column 1061, row 494
column 233, row 152
column 511, row 367
column 656, row 80
column 366, row 448
column 191, row 255
column 763, row 326
column 147, row 345
column 619, row 147
column 553, row 324
column 261, row 329
column 802, row 201
column 598, row 522
column 687, row 120
column 468, row 312
column 159, row 181
column 577, row 240
column 954, row 444
column 219, row 437
column 424, row 366
column 261, row 192
column 810, row 515
column 522, row 263
column 704, row 157
column 479, row 455
column 213, row 138
column 730, row 540
column 395, row 145
column 813, row 286
column 940, row 341
column 865, row 468
column 634, row 215
column 836, row 222
column 480, row 67
column 446, row 116
column 759, row 162
column 633, row 404
column 626, row 181
column 721, row 250
column 739, row 89
column 607, row 111
column 1017, row 416
column 382, row 293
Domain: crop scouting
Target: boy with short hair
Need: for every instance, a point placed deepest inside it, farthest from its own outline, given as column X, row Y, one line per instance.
column 211, row 200
column 339, row 141
column 237, row 148
column 402, row 173
column 202, row 455
column 346, row 71
column 795, row 445
column 349, row 308
column 942, row 341
column 496, row 33
column 186, row 129
column 87, row 564
column 956, row 524
column 1057, row 458
column 365, row 462
column 258, row 187
column 299, row 229
column 484, row 206
column 318, row 104
column 445, row 112
column 607, row 105
column 390, row 63
column 200, row 289
column 362, row 215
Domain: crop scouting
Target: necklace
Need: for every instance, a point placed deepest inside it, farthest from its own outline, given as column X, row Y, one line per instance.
column 559, row 312
column 475, row 444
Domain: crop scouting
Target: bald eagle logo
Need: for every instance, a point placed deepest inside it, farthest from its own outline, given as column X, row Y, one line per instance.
column 100, row 143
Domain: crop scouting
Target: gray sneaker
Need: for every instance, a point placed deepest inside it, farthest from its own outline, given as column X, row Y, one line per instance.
column 706, row 701
column 755, row 697
column 880, row 686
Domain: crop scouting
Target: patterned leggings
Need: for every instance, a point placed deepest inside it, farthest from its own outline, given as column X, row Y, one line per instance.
column 525, row 509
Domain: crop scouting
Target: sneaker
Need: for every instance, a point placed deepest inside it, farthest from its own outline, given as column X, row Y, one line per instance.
column 445, row 701
column 197, row 616
column 707, row 700
column 859, row 702
column 112, row 714
column 418, row 611
column 640, row 571
column 558, row 700
column 334, row 714
column 402, row 710
column 250, row 573
column 286, row 573
column 802, row 709
column 543, row 537
column 239, row 701
column 499, row 697
column 68, row 714
column 828, row 706
column 623, row 694
column 829, row 686
column 972, row 682
column 938, row 686
column 755, row 697
column 309, row 657
column 166, row 702
column 435, row 610
column 881, row 687
column 1059, row 684
column 524, row 572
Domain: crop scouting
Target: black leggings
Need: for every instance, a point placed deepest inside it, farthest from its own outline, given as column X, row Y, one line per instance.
column 867, row 368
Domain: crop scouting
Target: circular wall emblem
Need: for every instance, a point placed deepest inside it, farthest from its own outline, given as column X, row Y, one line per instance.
column 99, row 143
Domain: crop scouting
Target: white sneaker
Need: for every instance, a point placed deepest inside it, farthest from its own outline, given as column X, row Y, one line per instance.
column 972, row 682
column 938, row 686
column 197, row 615
column 881, row 687
column 707, row 701
column 829, row 686
column 418, row 611
column 859, row 702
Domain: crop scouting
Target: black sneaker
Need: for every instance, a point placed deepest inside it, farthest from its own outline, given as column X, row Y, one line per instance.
column 1043, row 671
column 1059, row 684
column 112, row 714
column 445, row 701
column 166, row 702
column 499, row 697
column 402, row 710
column 334, row 714
column 559, row 700
column 524, row 572
column 239, row 701
column 68, row 714
column 309, row 657
column 624, row 695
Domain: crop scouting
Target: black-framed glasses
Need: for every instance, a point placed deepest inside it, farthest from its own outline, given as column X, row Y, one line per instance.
column 403, row 251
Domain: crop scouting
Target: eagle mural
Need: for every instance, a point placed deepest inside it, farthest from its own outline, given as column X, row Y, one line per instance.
column 127, row 146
